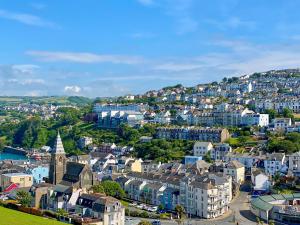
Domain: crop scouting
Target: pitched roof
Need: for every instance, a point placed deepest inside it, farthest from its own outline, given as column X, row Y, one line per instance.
column 275, row 156
column 260, row 204
column 73, row 171
column 58, row 146
column 235, row 164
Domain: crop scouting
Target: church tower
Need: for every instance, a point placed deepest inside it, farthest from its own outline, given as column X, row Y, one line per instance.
column 58, row 162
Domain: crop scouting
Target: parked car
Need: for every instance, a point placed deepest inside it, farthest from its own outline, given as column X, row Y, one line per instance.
column 140, row 206
column 162, row 211
column 156, row 222
column 133, row 204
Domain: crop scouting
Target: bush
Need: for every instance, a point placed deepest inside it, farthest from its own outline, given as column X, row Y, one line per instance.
column 127, row 212
column 144, row 214
column 12, row 206
column 134, row 213
column 32, row 211
column 51, row 214
column 164, row 216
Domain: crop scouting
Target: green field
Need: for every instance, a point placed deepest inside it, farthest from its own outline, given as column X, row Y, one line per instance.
column 13, row 217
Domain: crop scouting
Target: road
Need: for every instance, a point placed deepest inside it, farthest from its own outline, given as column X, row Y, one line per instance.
column 241, row 208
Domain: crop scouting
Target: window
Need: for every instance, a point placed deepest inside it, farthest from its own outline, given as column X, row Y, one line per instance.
column 22, row 179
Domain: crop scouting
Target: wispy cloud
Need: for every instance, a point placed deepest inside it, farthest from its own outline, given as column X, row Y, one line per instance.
column 178, row 67
column 26, row 81
column 27, row 19
column 38, row 6
column 179, row 10
column 231, row 23
column 83, row 57
column 238, row 57
column 25, row 68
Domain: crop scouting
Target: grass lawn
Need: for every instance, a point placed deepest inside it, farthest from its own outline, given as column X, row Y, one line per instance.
column 297, row 115
column 13, row 217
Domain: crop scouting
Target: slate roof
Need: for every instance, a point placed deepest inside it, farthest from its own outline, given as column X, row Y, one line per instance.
column 62, row 188
column 58, row 146
column 73, row 171
column 234, row 165
column 275, row 156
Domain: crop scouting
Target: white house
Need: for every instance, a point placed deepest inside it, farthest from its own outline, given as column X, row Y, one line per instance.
column 282, row 123
column 236, row 170
column 220, row 150
column 202, row 148
column 275, row 163
column 163, row 118
column 255, row 119
column 260, row 180
column 294, row 163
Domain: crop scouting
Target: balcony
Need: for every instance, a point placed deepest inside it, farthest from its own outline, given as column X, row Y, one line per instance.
column 212, row 195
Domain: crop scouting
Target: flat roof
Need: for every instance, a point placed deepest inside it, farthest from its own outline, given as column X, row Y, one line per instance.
column 16, row 174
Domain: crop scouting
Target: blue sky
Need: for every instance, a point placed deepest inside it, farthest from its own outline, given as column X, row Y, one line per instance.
column 116, row 47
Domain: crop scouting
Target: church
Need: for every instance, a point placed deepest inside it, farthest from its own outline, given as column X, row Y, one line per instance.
column 74, row 174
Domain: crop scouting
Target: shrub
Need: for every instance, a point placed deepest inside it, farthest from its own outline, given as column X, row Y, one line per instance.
column 134, row 213
column 51, row 214
column 164, row 216
column 144, row 214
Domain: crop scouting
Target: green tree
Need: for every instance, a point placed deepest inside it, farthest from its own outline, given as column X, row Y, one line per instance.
column 287, row 113
column 61, row 212
column 69, row 116
column 271, row 222
column 180, row 211
column 24, row 198
column 173, row 112
column 207, row 157
column 161, row 207
column 275, row 145
column 272, row 113
column 98, row 188
column 293, row 137
column 113, row 189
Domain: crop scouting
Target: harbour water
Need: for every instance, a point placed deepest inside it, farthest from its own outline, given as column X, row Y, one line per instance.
column 9, row 156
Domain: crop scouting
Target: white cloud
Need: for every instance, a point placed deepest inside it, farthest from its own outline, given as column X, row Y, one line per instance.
column 231, row 23
column 72, row 89
column 27, row 19
column 83, row 57
column 26, row 81
column 25, row 68
column 177, row 67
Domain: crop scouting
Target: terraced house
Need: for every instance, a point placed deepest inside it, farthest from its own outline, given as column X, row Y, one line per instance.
column 205, row 196
column 197, row 134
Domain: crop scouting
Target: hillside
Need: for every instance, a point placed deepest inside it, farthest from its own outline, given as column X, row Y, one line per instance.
column 55, row 100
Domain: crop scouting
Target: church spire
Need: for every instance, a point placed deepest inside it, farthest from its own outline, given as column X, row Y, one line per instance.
column 58, row 146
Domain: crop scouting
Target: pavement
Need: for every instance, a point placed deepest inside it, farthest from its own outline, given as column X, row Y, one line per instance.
column 240, row 206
